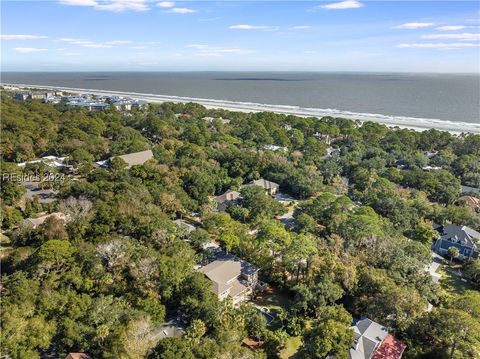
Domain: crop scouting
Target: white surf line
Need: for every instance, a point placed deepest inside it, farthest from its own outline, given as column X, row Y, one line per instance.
column 418, row 124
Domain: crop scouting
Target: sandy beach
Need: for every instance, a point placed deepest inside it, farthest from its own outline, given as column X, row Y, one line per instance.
column 418, row 124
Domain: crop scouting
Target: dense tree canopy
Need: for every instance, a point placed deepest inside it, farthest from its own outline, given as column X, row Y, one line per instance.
column 354, row 242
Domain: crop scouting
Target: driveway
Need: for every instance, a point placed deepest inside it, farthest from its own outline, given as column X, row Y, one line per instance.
column 432, row 268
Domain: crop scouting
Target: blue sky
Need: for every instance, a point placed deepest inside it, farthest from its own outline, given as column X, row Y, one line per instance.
column 142, row 35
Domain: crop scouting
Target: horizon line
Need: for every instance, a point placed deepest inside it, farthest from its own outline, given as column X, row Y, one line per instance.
column 244, row 71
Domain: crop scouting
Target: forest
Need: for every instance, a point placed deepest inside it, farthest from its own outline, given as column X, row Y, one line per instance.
column 104, row 281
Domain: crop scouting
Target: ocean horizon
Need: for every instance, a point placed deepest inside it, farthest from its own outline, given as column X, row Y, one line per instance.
column 426, row 96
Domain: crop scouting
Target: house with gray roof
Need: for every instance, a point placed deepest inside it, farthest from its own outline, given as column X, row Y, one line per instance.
column 35, row 222
column 231, row 277
column 270, row 188
column 464, row 238
column 185, row 226
column 372, row 341
column 137, row 158
column 225, row 199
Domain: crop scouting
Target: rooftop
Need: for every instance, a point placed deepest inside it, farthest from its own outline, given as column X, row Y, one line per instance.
column 459, row 234
column 78, row 356
column 391, row 348
column 230, row 195
column 137, row 158
column 265, row 184
column 368, row 336
column 34, row 222
column 471, row 201
column 225, row 271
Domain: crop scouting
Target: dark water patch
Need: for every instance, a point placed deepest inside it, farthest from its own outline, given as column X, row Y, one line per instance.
column 258, row 79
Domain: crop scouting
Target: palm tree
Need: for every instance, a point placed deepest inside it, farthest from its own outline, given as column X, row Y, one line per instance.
column 453, row 252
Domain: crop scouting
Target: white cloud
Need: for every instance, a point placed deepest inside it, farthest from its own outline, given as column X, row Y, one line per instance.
column 143, row 63
column 463, row 37
column 310, row 52
column 118, row 42
column 342, row 5
column 72, row 53
column 438, row 45
column 21, row 37
column 138, row 47
column 25, row 50
column 302, row 27
column 84, row 43
column 207, row 50
column 415, row 25
column 79, row 2
column 197, row 46
column 181, row 10
column 110, row 5
column 166, row 4
column 253, row 27
column 450, row 28
column 209, row 54
column 124, row 5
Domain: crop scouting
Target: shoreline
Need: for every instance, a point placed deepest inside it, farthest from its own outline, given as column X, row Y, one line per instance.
column 417, row 124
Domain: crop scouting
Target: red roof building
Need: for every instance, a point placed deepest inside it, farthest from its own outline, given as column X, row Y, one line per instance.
column 78, row 356
column 390, row 348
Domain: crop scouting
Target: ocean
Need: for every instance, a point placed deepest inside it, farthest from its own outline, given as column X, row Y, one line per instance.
column 447, row 97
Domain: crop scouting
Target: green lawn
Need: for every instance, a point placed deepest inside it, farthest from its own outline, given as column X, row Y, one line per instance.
column 291, row 347
column 452, row 283
column 273, row 301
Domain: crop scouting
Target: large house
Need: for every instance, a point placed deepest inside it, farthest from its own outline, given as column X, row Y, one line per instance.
column 464, row 238
column 50, row 161
column 35, row 222
column 270, row 188
column 131, row 159
column 372, row 341
column 224, row 199
column 137, row 158
column 231, row 277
